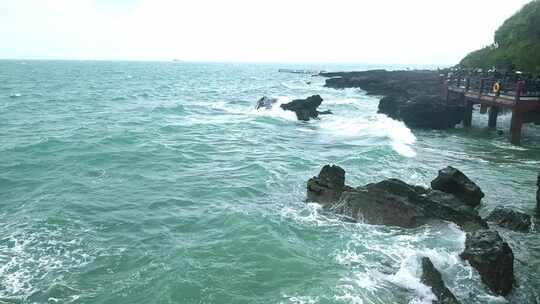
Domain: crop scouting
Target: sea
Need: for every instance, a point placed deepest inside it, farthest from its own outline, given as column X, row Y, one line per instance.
column 159, row 182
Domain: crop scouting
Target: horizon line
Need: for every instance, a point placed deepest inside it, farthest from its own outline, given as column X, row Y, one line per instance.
column 222, row 61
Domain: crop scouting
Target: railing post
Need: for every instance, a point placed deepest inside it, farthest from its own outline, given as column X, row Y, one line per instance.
column 467, row 84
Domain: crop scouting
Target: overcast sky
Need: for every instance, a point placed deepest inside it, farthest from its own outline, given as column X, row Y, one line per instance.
column 355, row 31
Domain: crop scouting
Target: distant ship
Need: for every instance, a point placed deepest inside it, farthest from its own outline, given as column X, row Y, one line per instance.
column 177, row 60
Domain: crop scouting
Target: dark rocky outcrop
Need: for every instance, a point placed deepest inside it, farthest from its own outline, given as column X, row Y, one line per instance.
column 412, row 96
column 492, row 258
column 453, row 181
column 390, row 202
column 328, row 186
column 510, row 219
column 305, row 109
column 426, row 112
column 433, row 278
column 390, row 105
column 266, row 103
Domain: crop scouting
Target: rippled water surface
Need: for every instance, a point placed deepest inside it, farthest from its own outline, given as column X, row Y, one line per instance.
column 159, row 183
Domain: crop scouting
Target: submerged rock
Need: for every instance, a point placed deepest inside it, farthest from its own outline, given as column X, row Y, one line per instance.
column 492, row 258
column 305, row 109
column 390, row 202
column 510, row 219
column 453, row 181
column 433, row 278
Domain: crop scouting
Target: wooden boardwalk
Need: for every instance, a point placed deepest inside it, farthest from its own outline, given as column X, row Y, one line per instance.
column 493, row 94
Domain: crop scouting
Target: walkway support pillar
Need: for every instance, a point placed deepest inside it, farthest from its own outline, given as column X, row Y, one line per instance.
column 467, row 118
column 483, row 109
column 517, row 117
column 493, row 113
column 515, row 126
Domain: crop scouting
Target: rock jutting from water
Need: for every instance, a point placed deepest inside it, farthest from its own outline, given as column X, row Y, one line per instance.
column 451, row 180
column 510, row 219
column 411, row 96
column 393, row 202
column 266, row 103
column 390, row 202
column 486, row 251
column 305, row 109
column 432, row 277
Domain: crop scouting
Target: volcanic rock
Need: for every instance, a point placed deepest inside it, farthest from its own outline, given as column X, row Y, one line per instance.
column 433, row 278
column 492, row 258
column 453, row 181
column 511, row 219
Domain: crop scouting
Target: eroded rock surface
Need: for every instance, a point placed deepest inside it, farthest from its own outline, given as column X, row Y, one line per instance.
column 453, row 181
column 390, row 202
column 511, row 219
column 305, row 109
column 492, row 258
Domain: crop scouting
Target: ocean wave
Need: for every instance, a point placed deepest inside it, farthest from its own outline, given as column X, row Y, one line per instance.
column 401, row 137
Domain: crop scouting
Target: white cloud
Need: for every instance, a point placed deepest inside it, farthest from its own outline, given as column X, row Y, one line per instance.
column 383, row 31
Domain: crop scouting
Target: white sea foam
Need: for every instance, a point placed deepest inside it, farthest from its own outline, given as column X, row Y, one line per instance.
column 26, row 262
column 350, row 298
column 380, row 126
column 276, row 111
column 300, row 299
column 311, row 214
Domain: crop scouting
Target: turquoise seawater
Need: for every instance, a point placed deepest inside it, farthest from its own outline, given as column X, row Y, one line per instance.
column 125, row 182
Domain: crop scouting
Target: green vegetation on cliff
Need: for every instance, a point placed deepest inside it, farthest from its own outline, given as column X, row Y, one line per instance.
column 517, row 43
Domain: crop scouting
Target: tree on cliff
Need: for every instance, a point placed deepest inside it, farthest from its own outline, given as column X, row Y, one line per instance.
column 517, row 43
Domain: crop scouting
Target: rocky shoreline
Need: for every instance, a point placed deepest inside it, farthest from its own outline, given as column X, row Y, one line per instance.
column 453, row 197
column 415, row 97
